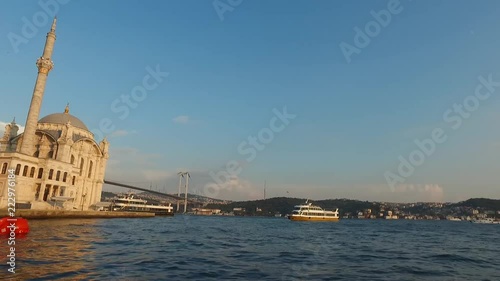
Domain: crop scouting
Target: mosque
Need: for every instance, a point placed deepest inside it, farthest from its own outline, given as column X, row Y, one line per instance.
column 56, row 160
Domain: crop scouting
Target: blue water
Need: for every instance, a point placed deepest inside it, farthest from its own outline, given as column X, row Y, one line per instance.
column 244, row 248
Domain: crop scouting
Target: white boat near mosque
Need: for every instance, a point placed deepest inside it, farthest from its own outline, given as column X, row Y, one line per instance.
column 127, row 203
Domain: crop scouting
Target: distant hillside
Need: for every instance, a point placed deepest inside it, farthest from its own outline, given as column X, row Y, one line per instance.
column 107, row 195
column 269, row 206
column 348, row 206
column 483, row 203
column 284, row 205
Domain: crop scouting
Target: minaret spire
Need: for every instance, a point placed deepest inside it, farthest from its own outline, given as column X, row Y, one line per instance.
column 45, row 65
column 49, row 43
column 53, row 28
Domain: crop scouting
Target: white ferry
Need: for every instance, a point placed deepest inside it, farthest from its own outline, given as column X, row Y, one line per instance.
column 310, row 212
column 128, row 203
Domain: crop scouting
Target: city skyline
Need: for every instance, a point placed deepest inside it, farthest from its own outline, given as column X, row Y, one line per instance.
column 176, row 86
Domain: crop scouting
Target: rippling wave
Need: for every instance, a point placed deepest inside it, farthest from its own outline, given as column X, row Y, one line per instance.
column 239, row 248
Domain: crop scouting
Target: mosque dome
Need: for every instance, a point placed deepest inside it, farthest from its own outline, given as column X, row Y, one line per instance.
column 63, row 118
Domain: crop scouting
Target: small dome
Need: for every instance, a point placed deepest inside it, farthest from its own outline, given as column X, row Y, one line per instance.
column 63, row 118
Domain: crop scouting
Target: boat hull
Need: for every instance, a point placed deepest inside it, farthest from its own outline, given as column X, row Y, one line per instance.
column 304, row 218
column 157, row 213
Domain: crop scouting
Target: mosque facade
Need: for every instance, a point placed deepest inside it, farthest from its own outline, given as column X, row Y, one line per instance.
column 56, row 162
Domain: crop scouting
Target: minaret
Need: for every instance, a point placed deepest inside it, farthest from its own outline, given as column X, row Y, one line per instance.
column 9, row 133
column 44, row 65
column 13, row 128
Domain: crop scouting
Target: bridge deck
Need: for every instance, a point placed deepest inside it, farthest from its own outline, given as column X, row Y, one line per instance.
column 147, row 190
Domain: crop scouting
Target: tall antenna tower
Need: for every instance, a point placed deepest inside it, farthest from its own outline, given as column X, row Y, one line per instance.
column 264, row 190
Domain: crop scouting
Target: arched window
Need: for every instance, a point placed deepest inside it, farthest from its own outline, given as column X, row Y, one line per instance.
column 73, row 180
column 25, row 171
column 51, row 154
column 32, row 172
column 72, row 159
column 90, row 168
column 81, row 167
column 4, row 168
column 40, row 173
column 65, row 177
column 58, row 175
column 18, row 169
column 51, row 173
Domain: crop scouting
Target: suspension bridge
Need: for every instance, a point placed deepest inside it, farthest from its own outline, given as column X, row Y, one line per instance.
column 179, row 199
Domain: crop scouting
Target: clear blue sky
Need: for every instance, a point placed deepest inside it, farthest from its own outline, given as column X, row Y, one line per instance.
column 226, row 76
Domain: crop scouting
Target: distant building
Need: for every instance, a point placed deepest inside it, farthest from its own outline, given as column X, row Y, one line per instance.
column 390, row 216
column 56, row 161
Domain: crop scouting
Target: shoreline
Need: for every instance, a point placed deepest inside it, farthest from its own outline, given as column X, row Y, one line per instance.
column 63, row 214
